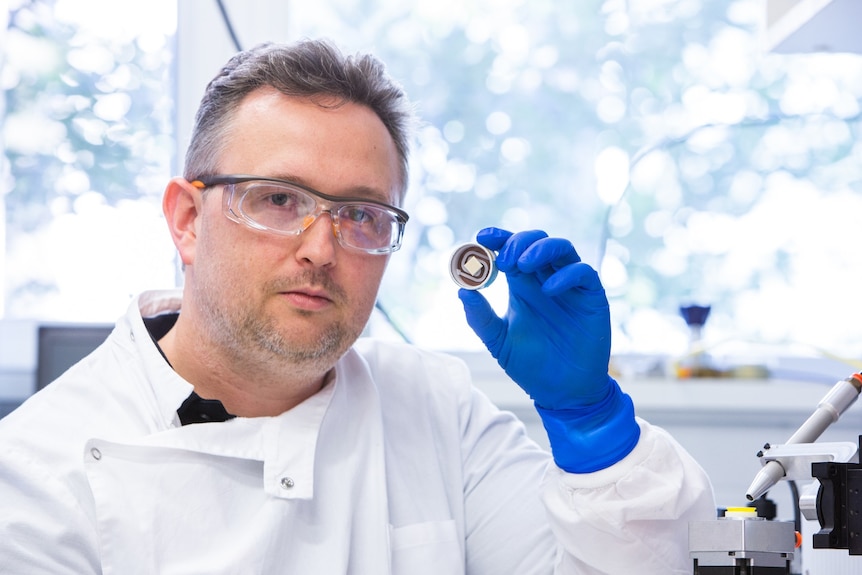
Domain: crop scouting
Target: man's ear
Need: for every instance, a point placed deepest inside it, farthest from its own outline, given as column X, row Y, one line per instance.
column 182, row 205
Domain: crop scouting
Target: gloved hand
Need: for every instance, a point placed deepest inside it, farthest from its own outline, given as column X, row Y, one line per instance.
column 554, row 341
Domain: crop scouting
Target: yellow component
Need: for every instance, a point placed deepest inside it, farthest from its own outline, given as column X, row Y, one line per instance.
column 740, row 512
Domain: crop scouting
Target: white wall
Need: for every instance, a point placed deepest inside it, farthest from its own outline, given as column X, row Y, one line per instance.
column 204, row 45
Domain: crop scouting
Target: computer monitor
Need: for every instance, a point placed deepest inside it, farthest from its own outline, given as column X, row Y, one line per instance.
column 61, row 346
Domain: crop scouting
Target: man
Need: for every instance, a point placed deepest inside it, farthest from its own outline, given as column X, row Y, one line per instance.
column 242, row 427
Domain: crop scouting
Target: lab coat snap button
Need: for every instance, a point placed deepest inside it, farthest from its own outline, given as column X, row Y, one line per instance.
column 97, row 455
column 287, row 483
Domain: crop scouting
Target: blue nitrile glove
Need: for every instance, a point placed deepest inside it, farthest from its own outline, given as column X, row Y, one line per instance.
column 554, row 341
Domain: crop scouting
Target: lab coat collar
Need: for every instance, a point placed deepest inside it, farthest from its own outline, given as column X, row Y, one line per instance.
column 168, row 389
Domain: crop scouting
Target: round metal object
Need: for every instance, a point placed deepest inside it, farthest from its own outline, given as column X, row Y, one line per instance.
column 472, row 266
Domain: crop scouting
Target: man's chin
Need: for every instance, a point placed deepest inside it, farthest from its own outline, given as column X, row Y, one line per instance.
column 325, row 347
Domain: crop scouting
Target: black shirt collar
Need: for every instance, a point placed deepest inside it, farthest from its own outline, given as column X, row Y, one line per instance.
column 194, row 409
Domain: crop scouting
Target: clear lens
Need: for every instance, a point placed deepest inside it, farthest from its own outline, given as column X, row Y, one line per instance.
column 287, row 209
column 366, row 226
column 275, row 207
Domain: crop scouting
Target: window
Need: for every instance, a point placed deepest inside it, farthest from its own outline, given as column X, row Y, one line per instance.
column 683, row 162
column 88, row 145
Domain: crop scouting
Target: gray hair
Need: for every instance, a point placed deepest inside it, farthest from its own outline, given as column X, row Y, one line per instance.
column 307, row 69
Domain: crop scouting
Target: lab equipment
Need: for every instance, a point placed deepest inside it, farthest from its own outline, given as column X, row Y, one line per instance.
column 837, row 505
column 842, row 395
column 61, row 345
column 834, row 505
column 740, row 543
column 696, row 362
column 472, row 266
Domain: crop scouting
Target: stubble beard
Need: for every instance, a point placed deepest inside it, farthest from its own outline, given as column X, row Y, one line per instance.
column 251, row 336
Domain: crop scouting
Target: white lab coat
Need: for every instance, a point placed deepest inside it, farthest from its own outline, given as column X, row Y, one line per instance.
column 398, row 466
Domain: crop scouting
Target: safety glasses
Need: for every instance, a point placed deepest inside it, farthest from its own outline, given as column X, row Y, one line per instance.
column 286, row 208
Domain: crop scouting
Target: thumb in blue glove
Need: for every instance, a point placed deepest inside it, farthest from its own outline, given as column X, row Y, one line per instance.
column 554, row 341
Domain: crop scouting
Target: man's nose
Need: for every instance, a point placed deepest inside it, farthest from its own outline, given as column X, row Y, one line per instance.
column 317, row 243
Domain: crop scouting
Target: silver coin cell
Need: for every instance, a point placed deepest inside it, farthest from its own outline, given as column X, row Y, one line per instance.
column 472, row 266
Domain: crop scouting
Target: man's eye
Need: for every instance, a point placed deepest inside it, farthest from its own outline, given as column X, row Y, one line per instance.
column 358, row 214
column 279, row 199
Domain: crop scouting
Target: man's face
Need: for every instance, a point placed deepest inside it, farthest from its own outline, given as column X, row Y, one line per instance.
column 302, row 298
